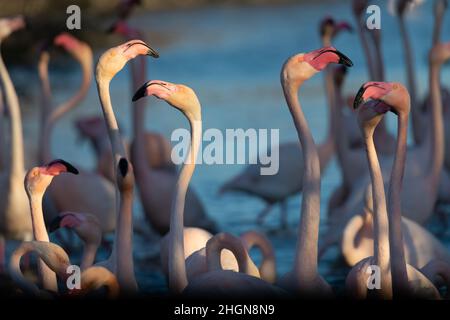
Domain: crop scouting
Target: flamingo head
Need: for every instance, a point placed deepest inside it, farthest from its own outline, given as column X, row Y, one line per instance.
column 9, row 25
column 114, row 59
column 303, row 66
column 38, row 179
column 86, row 226
column 392, row 93
column 329, row 28
column 179, row 96
column 125, row 177
column 80, row 50
column 440, row 53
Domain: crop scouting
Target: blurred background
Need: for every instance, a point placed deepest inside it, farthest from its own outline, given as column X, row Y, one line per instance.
column 231, row 53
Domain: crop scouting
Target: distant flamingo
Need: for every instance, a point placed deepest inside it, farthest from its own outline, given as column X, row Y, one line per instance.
column 14, row 209
column 36, row 183
column 2, row 132
column 57, row 261
column 90, row 192
column 87, row 227
column 276, row 189
column 110, row 63
column 304, row 278
column 394, row 283
column 184, row 99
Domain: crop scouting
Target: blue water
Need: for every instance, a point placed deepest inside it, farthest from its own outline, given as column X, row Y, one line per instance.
column 232, row 58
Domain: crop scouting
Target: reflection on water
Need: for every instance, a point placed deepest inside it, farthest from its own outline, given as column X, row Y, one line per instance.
column 232, row 58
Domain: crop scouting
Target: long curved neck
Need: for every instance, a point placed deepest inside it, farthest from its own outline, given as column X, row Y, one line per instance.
column 64, row 108
column 138, row 67
column 46, row 106
column 437, row 27
column 123, row 244
column 305, row 265
column 411, row 76
column 379, row 60
column 326, row 148
column 380, row 219
column 177, row 268
column 365, row 44
column 2, row 133
column 399, row 274
column 16, row 157
column 437, row 131
column 47, row 276
column 222, row 241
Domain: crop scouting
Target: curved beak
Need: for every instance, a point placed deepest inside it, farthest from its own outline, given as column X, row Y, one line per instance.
column 141, row 92
column 55, row 224
column 343, row 59
column 67, row 166
column 359, row 97
column 123, row 166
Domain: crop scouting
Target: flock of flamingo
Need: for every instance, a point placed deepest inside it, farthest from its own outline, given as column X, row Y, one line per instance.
column 371, row 226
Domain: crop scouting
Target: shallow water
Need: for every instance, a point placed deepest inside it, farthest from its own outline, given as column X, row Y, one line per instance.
column 232, row 58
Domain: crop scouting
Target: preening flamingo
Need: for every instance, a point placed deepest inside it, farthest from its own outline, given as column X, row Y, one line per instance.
column 58, row 262
column 90, row 192
column 88, row 229
column 15, row 219
column 37, row 180
column 304, row 278
column 276, row 189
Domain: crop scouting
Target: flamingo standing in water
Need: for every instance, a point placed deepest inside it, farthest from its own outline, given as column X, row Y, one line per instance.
column 110, row 63
column 15, row 220
column 184, row 99
column 91, row 192
column 278, row 188
column 397, row 277
column 304, row 278
column 36, row 183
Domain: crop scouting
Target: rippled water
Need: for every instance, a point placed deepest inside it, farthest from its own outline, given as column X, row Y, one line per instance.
column 232, row 58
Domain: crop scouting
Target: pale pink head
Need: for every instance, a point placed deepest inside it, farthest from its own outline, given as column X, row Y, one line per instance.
column 124, row 29
column 37, row 179
column 10, row 25
column 391, row 93
column 67, row 41
column 330, row 28
column 85, row 225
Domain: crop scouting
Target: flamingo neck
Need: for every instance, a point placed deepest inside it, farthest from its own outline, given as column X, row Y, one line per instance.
column 37, row 217
column 380, row 219
column 123, row 244
column 16, row 158
column 365, row 44
column 437, row 27
column 46, row 107
column 411, row 76
column 177, row 268
column 305, row 265
column 222, row 241
column 54, row 115
column 437, row 138
column 89, row 253
column 399, row 274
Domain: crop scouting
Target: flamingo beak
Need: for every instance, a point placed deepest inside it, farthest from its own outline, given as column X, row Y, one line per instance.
column 55, row 224
column 345, row 26
column 160, row 90
column 123, row 166
column 359, row 98
column 343, row 59
column 57, row 166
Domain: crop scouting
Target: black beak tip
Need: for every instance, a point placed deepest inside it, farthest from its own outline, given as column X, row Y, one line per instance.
column 140, row 93
column 346, row 62
column 70, row 168
column 123, row 167
column 54, row 224
column 153, row 53
column 359, row 98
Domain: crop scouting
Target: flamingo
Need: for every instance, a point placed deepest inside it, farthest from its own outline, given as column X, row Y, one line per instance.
column 57, row 260
column 304, row 278
column 14, row 209
column 276, row 189
column 2, row 132
column 388, row 246
column 37, row 180
column 217, row 282
column 120, row 262
column 184, row 99
column 88, row 229
column 88, row 184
